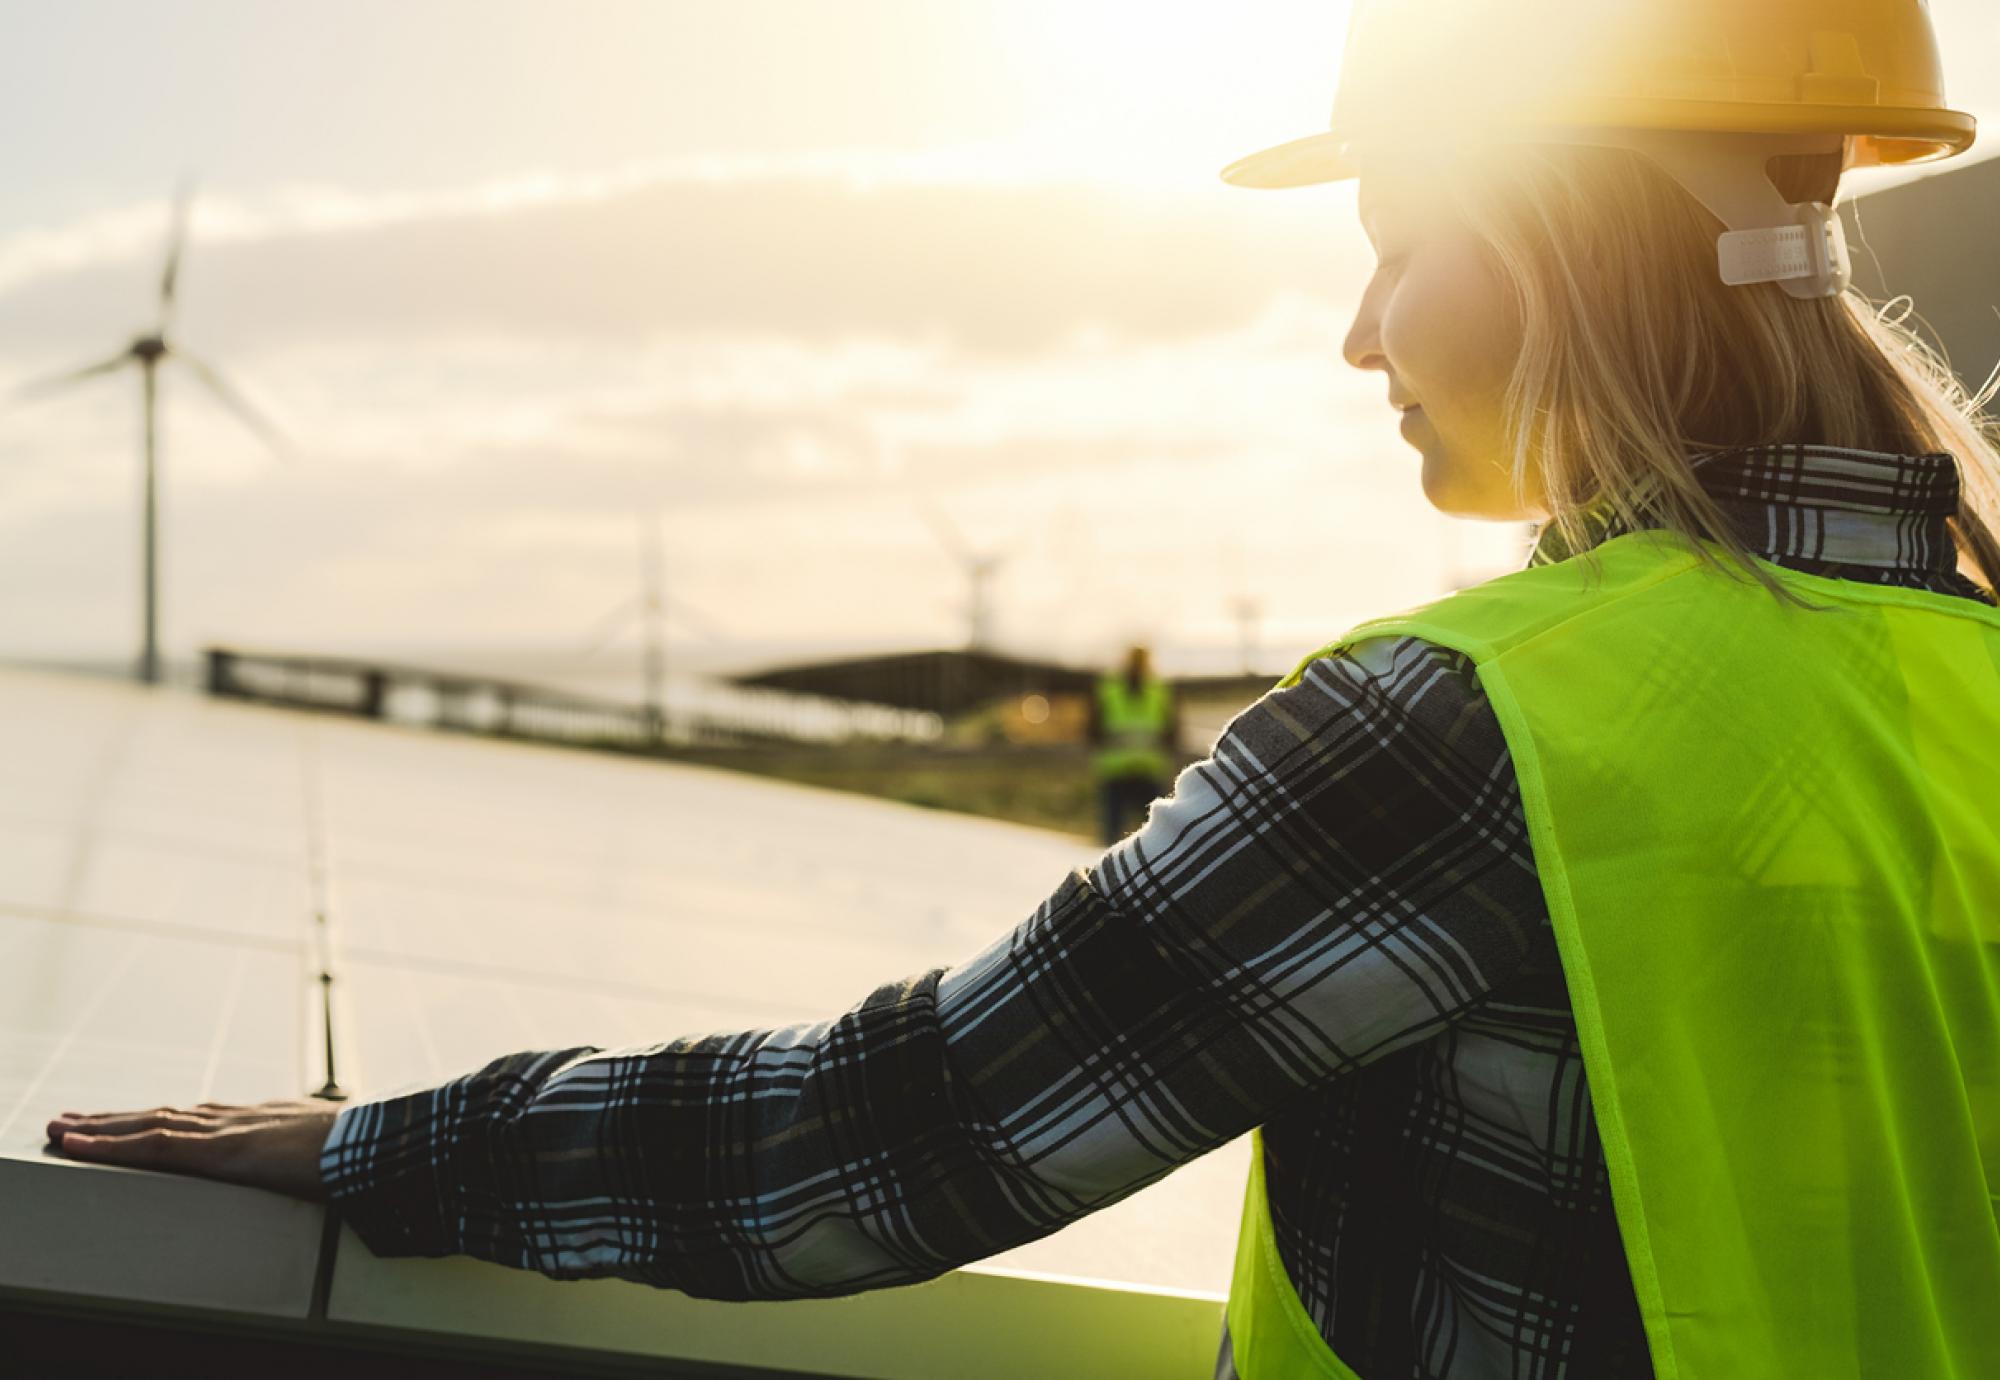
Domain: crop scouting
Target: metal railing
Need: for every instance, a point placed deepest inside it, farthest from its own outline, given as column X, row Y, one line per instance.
column 458, row 701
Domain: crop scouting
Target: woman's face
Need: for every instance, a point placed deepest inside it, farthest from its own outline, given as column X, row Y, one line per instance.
column 1438, row 321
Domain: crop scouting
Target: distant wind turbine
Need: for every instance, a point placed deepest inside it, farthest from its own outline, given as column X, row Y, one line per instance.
column 651, row 605
column 148, row 352
column 1248, row 611
column 980, row 569
column 1245, row 607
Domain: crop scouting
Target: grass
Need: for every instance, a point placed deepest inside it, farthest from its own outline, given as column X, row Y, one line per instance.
column 1048, row 787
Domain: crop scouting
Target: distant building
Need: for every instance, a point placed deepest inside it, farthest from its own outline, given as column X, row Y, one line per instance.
column 1208, row 703
column 947, row 683
column 1028, row 701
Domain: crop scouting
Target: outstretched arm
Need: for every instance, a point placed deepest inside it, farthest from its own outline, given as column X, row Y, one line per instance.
column 1345, row 875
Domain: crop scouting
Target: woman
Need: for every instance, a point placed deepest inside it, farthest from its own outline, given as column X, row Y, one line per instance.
column 1696, row 803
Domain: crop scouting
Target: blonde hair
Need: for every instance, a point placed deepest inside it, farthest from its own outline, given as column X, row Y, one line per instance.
column 1636, row 358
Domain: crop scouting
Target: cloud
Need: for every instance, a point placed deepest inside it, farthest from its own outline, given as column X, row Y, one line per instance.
column 487, row 394
column 288, row 211
column 975, row 266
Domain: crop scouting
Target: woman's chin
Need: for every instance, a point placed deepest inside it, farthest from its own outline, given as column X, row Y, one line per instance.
column 1446, row 490
column 1441, row 487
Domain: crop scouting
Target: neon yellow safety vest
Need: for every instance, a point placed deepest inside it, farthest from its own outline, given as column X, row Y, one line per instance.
column 1770, row 842
column 1135, row 728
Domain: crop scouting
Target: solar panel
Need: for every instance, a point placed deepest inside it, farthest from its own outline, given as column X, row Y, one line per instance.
column 165, row 861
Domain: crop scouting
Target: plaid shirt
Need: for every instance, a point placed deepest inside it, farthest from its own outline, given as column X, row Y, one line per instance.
column 1333, row 928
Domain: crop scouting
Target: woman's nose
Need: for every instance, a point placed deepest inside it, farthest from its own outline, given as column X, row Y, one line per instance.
column 1363, row 346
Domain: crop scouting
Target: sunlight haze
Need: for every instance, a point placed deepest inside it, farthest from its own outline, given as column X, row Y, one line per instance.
column 511, row 275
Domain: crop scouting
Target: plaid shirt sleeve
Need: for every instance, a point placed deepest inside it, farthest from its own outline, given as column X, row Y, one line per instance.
column 1346, row 874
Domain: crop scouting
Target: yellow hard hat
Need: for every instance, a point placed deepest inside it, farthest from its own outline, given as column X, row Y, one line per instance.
column 1865, row 70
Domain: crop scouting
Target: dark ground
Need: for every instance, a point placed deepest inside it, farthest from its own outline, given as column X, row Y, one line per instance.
column 1050, row 788
column 63, row 1344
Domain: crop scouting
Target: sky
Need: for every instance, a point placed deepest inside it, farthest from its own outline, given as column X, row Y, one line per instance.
column 513, row 277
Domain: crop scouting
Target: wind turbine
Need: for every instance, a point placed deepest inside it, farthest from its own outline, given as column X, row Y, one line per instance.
column 980, row 569
column 1245, row 607
column 1248, row 611
column 650, row 605
column 148, row 352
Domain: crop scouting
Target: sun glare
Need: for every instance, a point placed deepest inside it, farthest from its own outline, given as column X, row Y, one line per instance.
column 1139, row 92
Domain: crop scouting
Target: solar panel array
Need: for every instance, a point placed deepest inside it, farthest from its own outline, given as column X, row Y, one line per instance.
column 166, row 862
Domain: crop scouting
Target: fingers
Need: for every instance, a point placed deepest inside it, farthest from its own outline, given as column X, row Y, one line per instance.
column 206, row 1152
column 118, row 1124
column 273, row 1145
column 107, row 1122
column 206, row 1117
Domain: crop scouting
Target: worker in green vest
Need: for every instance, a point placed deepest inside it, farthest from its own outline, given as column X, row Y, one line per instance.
column 1134, row 726
column 1605, row 958
column 1785, row 979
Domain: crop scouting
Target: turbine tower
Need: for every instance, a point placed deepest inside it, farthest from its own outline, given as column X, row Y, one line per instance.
column 1248, row 611
column 1246, row 608
column 148, row 352
column 652, row 605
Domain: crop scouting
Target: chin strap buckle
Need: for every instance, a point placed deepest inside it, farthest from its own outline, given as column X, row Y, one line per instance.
column 1767, row 239
column 1808, row 260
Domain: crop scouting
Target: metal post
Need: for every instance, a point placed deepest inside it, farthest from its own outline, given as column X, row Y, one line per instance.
column 654, row 727
column 149, row 651
column 221, row 671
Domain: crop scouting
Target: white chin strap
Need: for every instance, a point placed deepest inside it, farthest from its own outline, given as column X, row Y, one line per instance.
column 1802, row 248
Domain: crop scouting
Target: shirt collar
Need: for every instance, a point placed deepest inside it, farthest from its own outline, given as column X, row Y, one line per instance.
column 1816, row 503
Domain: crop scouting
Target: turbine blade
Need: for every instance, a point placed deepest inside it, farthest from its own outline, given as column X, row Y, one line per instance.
column 946, row 531
column 609, row 624
column 176, row 241
column 693, row 617
column 266, row 430
column 42, row 387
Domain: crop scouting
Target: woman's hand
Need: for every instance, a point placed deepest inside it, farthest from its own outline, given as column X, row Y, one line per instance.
column 272, row 1145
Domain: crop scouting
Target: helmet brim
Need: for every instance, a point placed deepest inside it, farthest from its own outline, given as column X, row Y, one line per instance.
column 1303, row 162
column 1885, row 135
